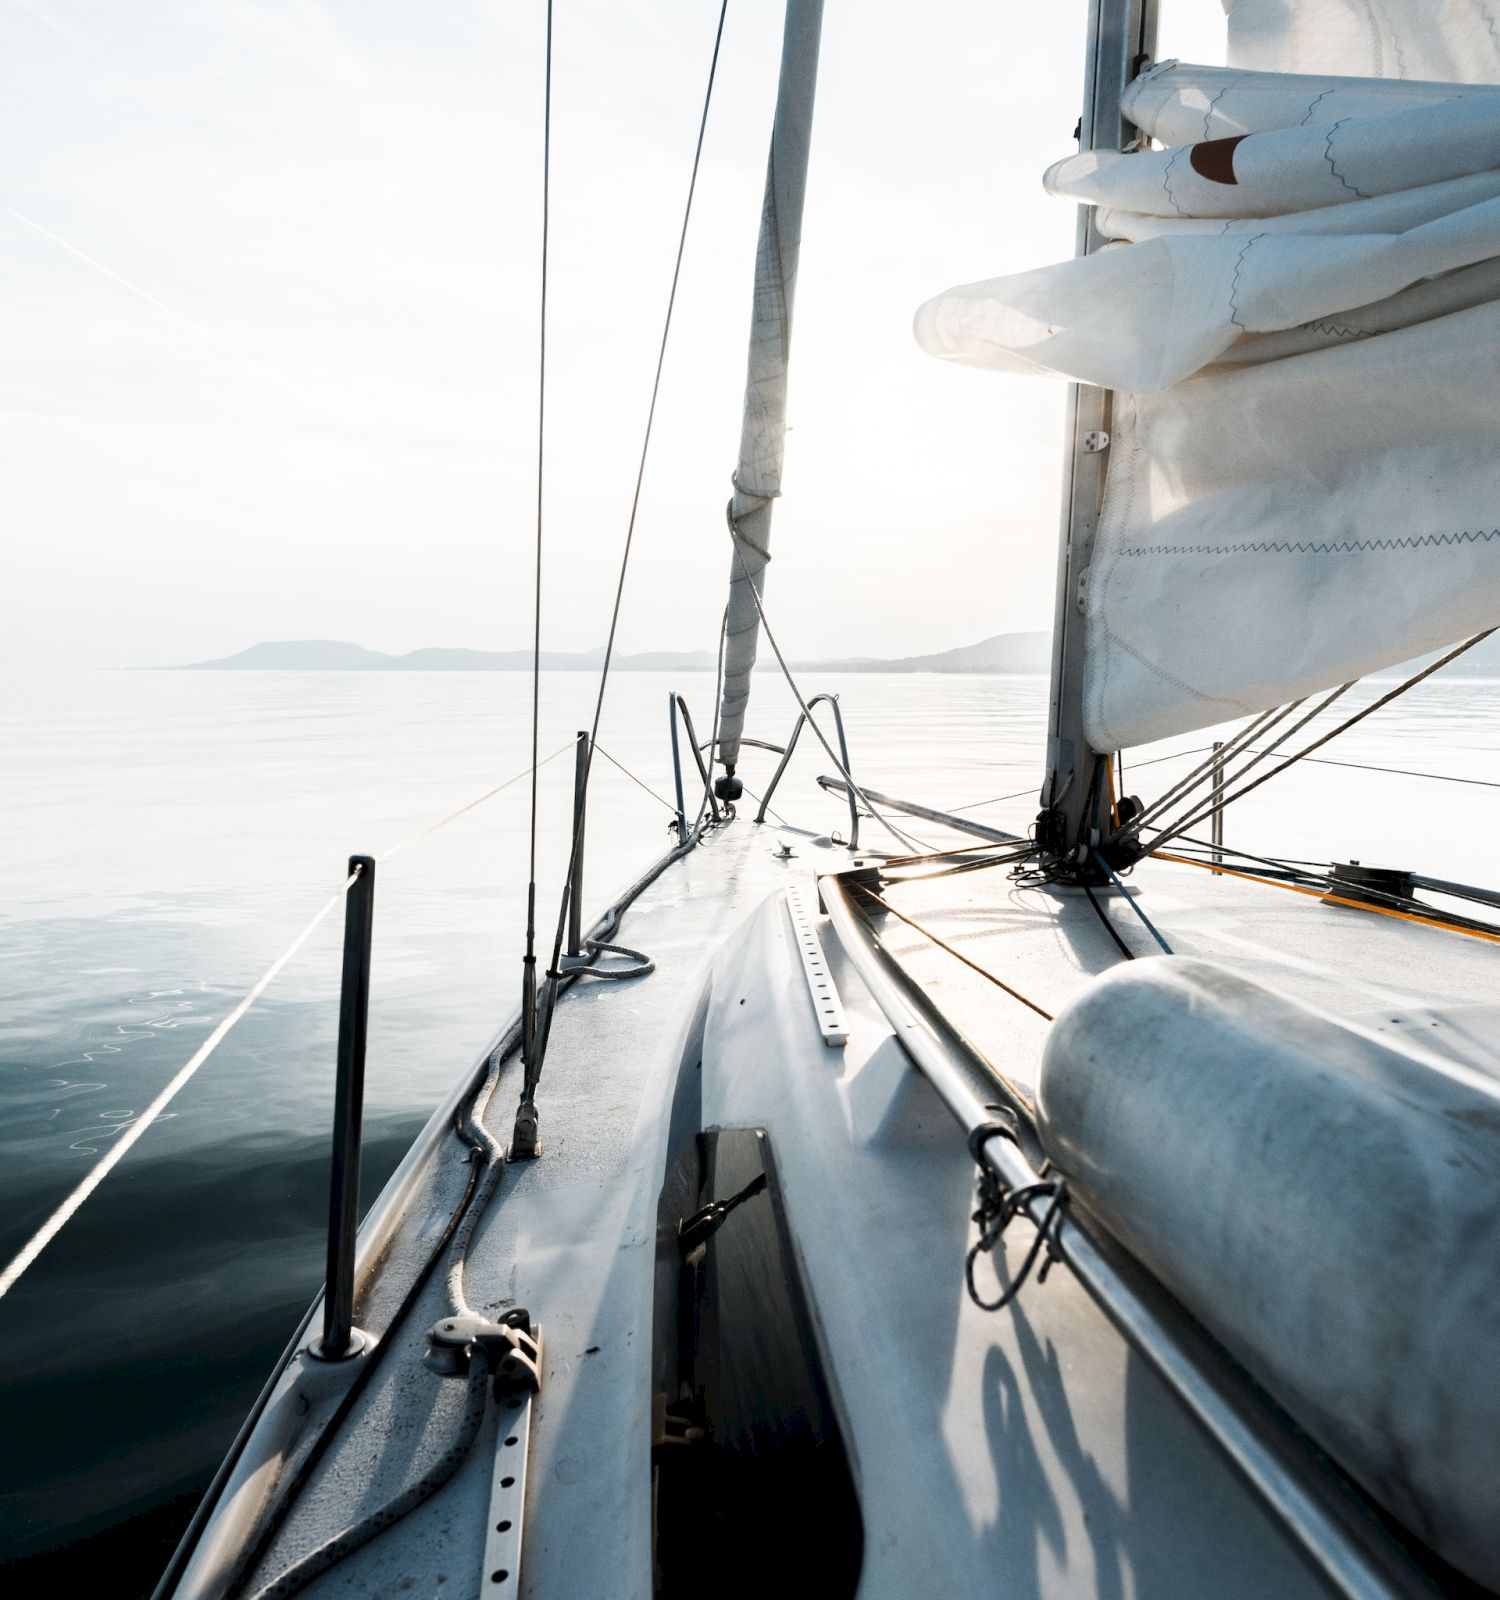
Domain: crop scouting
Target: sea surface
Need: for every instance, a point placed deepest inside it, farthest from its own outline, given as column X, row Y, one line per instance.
column 164, row 835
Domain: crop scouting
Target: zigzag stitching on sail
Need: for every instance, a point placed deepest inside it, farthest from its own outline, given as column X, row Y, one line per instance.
column 1302, row 547
column 1234, row 282
column 1333, row 166
column 1337, row 330
column 1166, row 181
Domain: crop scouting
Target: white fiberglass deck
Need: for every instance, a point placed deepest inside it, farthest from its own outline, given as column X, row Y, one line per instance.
column 1026, row 1453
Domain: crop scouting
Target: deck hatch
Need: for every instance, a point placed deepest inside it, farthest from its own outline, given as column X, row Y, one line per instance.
column 752, row 1488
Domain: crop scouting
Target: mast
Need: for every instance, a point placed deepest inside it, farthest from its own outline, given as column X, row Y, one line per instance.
column 1122, row 37
column 757, row 478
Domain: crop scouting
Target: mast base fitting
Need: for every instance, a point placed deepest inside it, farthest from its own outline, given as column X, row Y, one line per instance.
column 1121, row 853
column 512, row 1344
column 1079, row 862
column 728, row 787
column 524, row 1143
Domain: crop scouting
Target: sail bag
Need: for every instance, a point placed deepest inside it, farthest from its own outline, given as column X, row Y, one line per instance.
column 1299, row 311
column 1324, row 1199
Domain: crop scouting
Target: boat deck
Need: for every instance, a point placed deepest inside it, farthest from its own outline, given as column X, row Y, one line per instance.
column 1028, row 1453
column 1384, row 973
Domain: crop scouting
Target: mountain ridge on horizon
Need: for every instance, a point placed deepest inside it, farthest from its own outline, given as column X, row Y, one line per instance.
column 1015, row 654
column 1002, row 653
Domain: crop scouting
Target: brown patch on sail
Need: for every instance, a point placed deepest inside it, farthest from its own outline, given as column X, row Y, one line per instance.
column 1214, row 158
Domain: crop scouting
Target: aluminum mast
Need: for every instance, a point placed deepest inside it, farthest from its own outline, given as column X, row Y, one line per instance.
column 757, row 478
column 1122, row 38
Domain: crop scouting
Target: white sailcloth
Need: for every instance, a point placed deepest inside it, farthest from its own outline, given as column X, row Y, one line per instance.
column 1302, row 316
column 757, row 478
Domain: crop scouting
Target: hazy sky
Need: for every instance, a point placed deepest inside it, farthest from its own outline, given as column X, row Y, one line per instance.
column 268, row 321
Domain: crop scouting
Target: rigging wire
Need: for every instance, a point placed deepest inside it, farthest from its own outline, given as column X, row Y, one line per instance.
column 1109, row 926
column 1205, row 769
column 1130, row 900
column 1323, row 876
column 958, row 955
column 1242, row 747
column 786, row 672
column 1332, row 899
column 1172, row 830
column 533, row 1059
column 528, row 961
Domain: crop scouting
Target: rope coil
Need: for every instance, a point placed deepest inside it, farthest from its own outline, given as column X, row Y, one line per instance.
column 998, row 1208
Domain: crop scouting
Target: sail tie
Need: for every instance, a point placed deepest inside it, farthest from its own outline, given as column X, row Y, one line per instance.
column 998, row 1208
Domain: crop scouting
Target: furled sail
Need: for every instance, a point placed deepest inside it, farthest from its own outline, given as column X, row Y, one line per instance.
column 757, row 478
column 1301, row 316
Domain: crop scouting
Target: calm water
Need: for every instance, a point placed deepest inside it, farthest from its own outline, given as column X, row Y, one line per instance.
column 165, row 834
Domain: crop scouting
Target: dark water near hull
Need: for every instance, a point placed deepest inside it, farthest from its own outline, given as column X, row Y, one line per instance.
column 164, row 835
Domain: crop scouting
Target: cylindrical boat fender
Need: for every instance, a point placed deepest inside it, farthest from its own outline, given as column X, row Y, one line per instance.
column 1325, row 1202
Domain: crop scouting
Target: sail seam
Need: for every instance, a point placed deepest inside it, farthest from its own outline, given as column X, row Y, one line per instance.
column 1234, row 283
column 1166, row 181
column 1322, row 547
column 1333, row 165
column 1208, row 113
column 1313, row 106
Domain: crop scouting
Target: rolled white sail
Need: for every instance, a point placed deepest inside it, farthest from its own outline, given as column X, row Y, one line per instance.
column 757, row 478
column 1303, row 322
column 1175, row 102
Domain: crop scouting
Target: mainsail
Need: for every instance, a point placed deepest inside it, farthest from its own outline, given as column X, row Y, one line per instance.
column 757, row 478
column 1301, row 319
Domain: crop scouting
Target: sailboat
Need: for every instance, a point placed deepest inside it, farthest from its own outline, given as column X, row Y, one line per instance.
column 1101, row 1211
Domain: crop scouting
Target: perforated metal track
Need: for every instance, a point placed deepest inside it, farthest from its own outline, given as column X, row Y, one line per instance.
column 827, row 1007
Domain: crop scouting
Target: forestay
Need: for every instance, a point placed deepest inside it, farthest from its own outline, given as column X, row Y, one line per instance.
column 1301, row 311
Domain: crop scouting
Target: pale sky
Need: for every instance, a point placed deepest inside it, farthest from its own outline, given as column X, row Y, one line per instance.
column 268, row 321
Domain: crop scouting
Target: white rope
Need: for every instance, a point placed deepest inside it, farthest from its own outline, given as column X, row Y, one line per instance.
column 59, row 1219
column 54, row 1224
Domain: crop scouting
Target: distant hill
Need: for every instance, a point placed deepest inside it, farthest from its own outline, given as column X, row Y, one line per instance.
column 303, row 655
column 1006, row 652
column 333, row 655
column 1483, row 661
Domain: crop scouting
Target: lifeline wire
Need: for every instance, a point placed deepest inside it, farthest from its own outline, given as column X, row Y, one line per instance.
column 1176, row 755
column 1399, row 772
column 639, row 783
column 65, row 1212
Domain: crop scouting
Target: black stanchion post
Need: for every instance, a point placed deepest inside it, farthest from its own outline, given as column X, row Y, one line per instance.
column 340, row 1337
